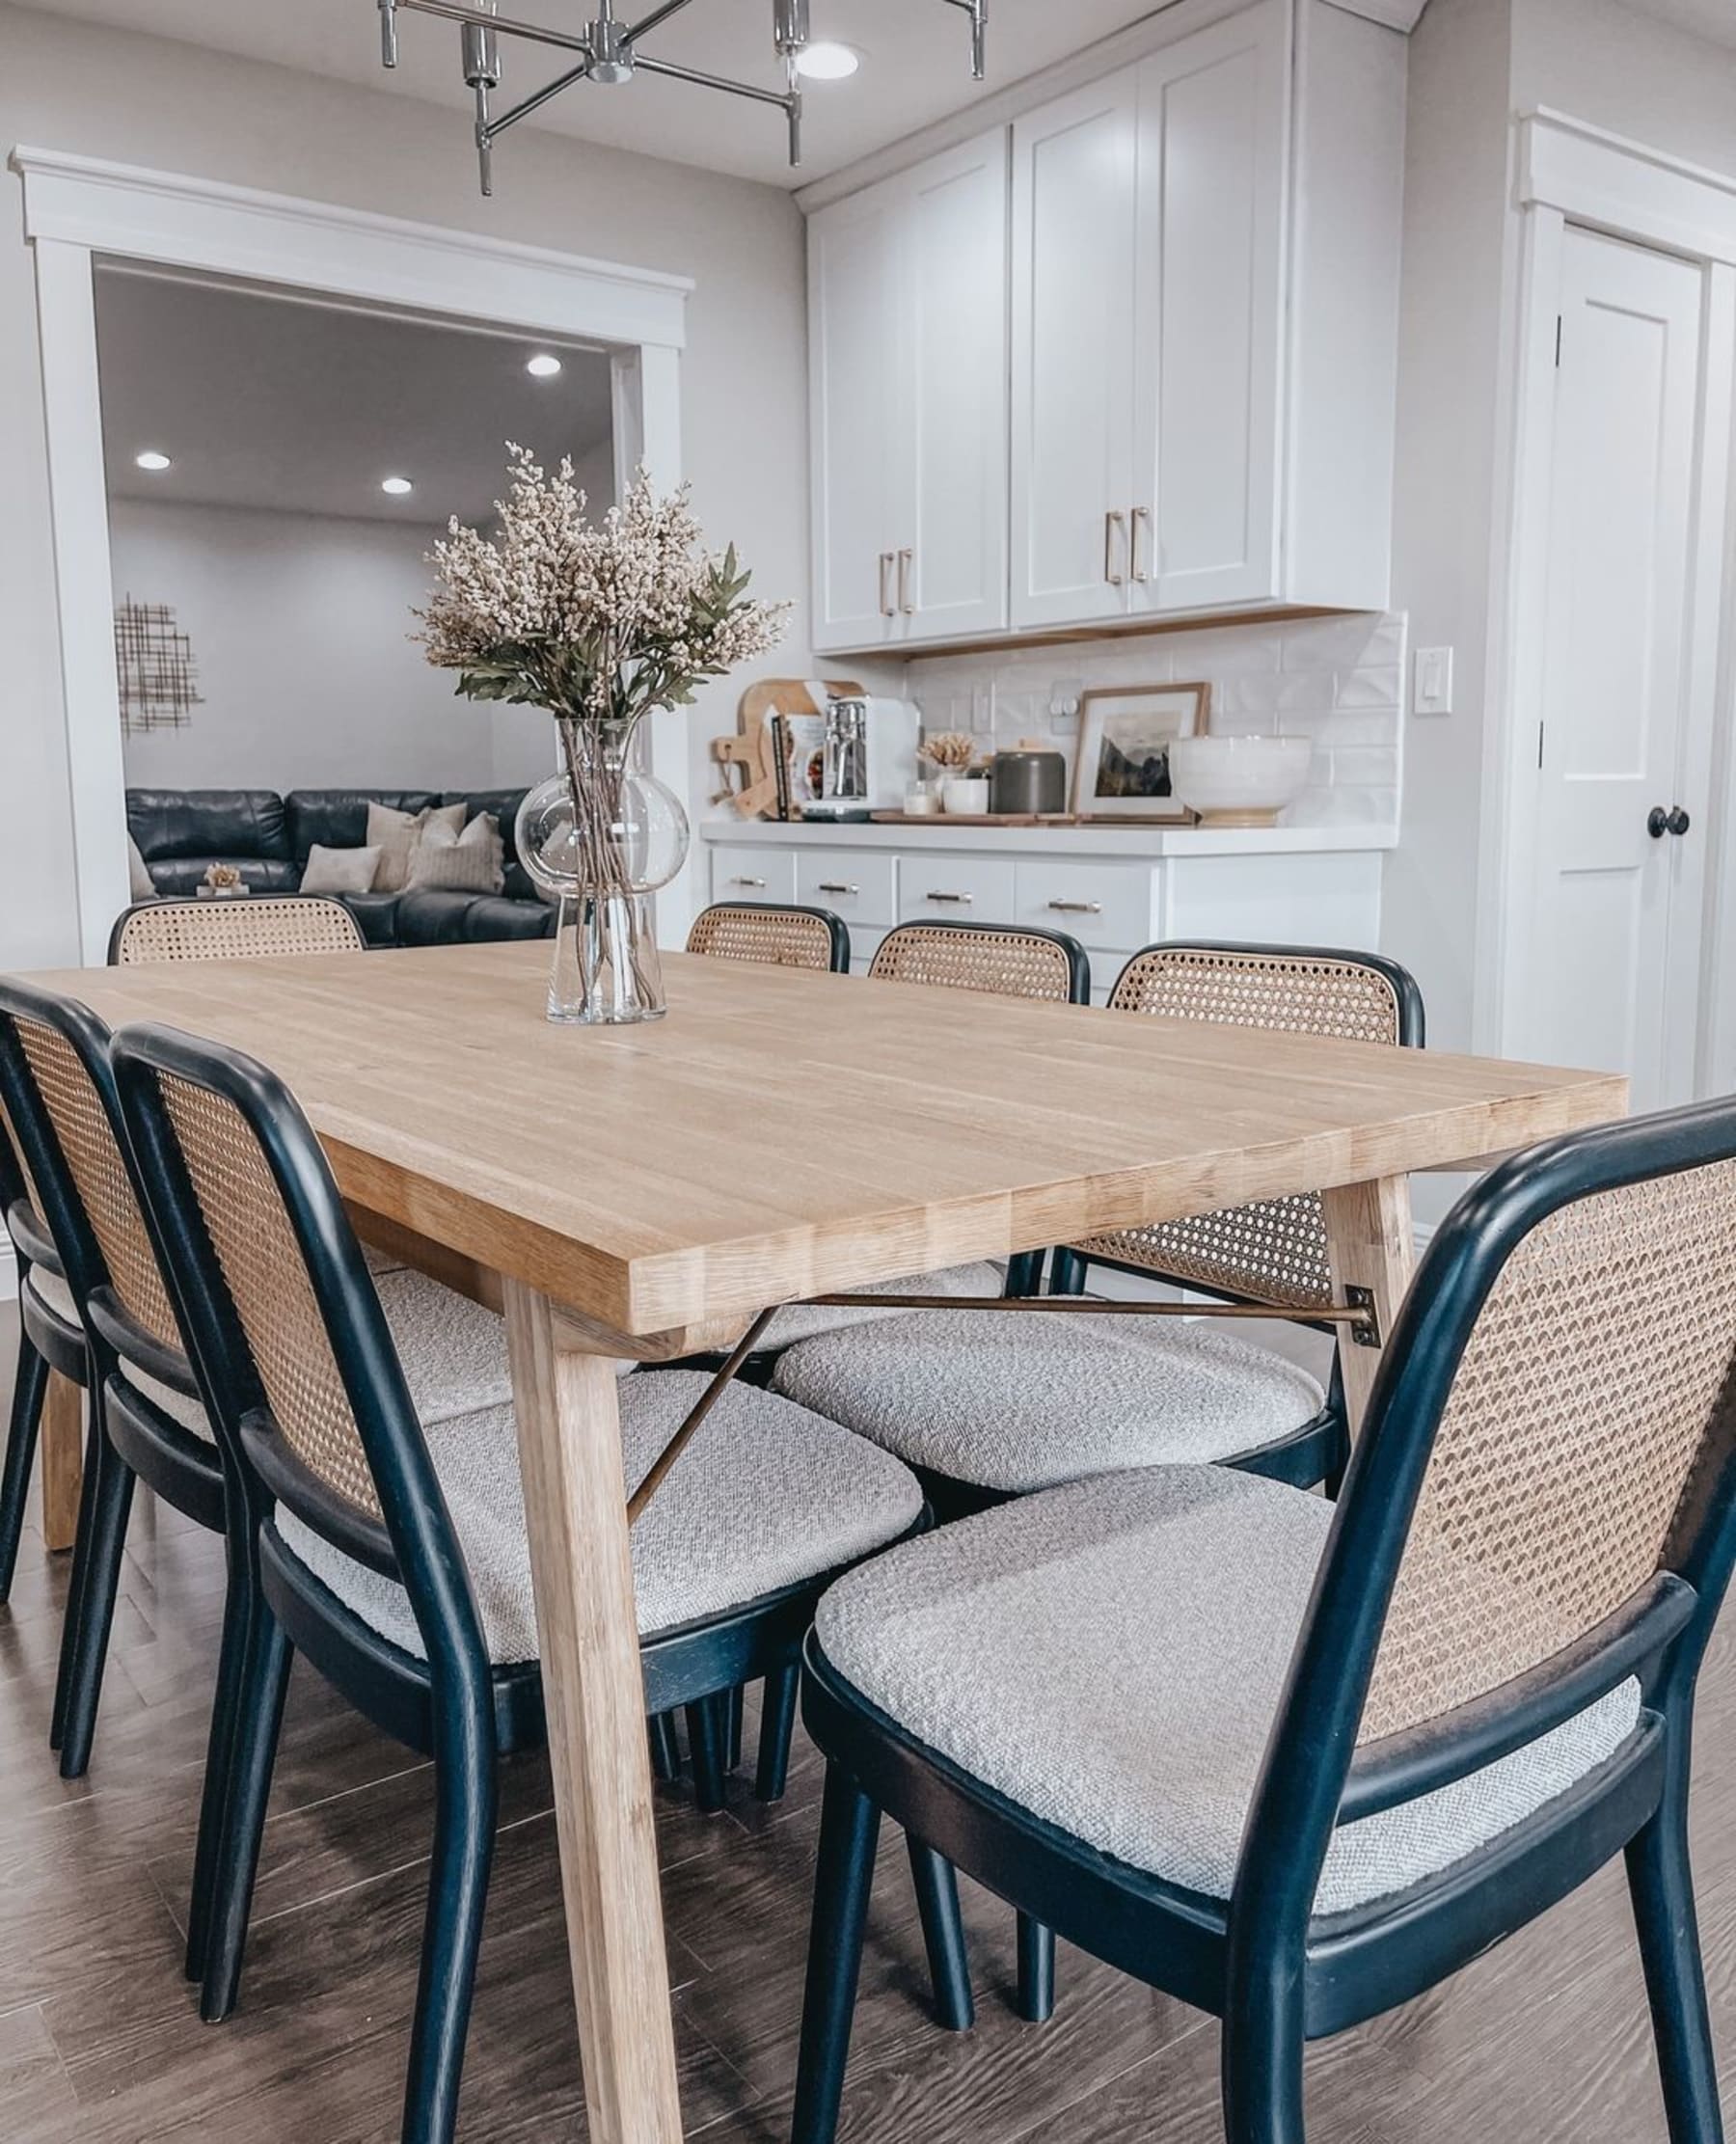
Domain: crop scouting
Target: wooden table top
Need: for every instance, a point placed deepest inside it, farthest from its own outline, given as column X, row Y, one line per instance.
column 783, row 1133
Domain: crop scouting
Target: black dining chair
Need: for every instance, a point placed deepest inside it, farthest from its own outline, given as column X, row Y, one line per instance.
column 1327, row 1755
column 772, row 933
column 393, row 1555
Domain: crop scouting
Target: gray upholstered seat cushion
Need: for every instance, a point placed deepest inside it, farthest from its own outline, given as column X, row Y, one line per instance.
column 1020, row 1401
column 798, row 1322
column 453, row 1350
column 1110, row 1655
column 763, row 1497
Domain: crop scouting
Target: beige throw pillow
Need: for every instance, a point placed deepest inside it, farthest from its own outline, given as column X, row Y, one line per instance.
column 470, row 862
column 339, row 870
column 139, row 883
column 395, row 834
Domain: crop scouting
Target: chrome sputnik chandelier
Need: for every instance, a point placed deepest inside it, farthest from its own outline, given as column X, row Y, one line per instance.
column 608, row 54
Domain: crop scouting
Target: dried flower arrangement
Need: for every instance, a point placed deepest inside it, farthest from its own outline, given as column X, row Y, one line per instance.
column 600, row 622
column 952, row 751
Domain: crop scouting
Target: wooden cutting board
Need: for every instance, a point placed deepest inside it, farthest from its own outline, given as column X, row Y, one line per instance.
column 750, row 747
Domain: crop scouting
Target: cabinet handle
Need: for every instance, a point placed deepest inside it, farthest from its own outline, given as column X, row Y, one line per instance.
column 905, row 558
column 1113, row 521
column 747, row 882
column 885, row 574
column 835, row 886
column 1142, row 519
column 1077, row 908
column 957, row 900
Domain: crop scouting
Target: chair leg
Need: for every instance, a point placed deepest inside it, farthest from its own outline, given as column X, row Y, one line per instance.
column 1260, row 2065
column 238, row 1610
column 84, row 1642
column 1035, row 1971
column 75, row 1580
column 261, row 1687
column 1661, row 1882
column 30, row 1388
column 936, row 1885
column 732, row 1712
column 848, row 1834
column 707, row 1732
column 1066, row 1272
column 1024, row 1274
column 777, row 1723
column 466, row 1784
column 665, row 1751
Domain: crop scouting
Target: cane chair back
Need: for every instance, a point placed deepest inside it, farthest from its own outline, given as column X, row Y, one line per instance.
column 771, row 934
column 995, row 958
column 254, row 929
column 1584, row 1410
column 1274, row 1250
column 56, row 1056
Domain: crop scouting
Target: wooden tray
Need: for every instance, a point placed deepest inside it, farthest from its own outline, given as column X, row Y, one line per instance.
column 973, row 818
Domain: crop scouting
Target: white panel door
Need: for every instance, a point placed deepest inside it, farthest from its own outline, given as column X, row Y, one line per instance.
column 1614, row 934
column 1072, row 354
column 1212, row 136
column 855, row 384
column 953, row 329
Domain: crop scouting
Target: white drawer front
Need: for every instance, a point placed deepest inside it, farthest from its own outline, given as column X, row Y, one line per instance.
column 753, row 874
column 858, row 884
column 1099, row 904
column 956, row 889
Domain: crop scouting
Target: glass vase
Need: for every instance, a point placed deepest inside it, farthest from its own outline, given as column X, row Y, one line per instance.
column 599, row 840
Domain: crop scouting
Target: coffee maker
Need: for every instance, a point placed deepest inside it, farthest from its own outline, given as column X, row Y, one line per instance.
column 869, row 755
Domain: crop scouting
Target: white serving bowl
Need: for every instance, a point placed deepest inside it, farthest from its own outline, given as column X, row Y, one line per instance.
column 1239, row 781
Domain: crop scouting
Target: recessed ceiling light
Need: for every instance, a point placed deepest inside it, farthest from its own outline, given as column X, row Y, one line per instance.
column 826, row 61
column 542, row 366
column 150, row 458
column 395, row 487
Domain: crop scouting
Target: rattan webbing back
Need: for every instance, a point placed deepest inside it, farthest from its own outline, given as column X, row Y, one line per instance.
column 234, row 930
column 1574, row 1419
column 99, row 1179
column 266, row 1275
column 1275, row 1250
column 772, row 937
column 963, row 957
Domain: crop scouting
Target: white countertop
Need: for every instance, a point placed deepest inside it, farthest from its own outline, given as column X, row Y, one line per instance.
column 1148, row 842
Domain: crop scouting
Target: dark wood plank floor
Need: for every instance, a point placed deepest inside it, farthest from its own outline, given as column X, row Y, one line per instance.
column 1543, row 2040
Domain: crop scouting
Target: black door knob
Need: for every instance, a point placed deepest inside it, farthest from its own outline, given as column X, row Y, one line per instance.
column 1677, row 822
column 1657, row 822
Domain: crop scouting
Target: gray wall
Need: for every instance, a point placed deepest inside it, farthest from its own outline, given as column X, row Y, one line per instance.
column 102, row 92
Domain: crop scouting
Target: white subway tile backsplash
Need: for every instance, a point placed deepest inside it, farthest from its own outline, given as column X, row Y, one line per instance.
column 1338, row 680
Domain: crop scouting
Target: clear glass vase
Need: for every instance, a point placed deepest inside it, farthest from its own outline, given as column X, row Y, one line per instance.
column 599, row 841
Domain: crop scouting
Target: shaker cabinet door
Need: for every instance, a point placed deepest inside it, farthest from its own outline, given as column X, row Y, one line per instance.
column 1073, row 193
column 950, row 524
column 855, row 280
column 1213, row 154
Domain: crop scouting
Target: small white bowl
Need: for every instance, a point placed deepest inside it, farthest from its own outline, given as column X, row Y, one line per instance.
column 970, row 794
column 1239, row 781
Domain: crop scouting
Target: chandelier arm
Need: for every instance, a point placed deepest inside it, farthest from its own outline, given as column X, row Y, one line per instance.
column 528, row 104
column 450, row 11
column 389, row 49
column 655, row 19
column 751, row 90
column 978, row 12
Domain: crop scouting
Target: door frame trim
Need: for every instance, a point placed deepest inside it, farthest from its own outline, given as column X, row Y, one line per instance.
column 76, row 207
column 1567, row 171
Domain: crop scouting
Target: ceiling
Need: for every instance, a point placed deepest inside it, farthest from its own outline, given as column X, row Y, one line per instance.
column 1713, row 20
column 302, row 408
column 915, row 67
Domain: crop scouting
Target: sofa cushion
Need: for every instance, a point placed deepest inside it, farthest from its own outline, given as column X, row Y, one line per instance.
column 182, row 875
column 376, row 914
column 233, row 825
column 339, row 870
column 337, row 818
column 426, row 916
column 501, row 805
column 469, row 862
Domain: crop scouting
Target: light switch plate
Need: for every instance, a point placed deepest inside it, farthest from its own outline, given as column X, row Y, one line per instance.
column 1432, row 692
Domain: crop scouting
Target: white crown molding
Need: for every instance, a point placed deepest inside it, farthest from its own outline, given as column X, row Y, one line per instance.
column 231, row 231
column 1402, row 16
column 1625, row 186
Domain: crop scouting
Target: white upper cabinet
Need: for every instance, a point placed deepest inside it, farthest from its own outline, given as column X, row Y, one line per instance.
column 908, row 287
column 1161, row 385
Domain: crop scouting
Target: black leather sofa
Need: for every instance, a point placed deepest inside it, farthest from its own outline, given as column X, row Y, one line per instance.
column 181, row 833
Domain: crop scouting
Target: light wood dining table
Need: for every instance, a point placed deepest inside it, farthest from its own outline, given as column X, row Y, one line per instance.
column 644, row 1192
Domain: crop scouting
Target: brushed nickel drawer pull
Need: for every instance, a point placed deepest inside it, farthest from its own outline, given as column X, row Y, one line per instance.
column 1142, row 519
column 747, row 882
column 885, row 574
column 959, row 900
column 1077, row 908
column 1114, row 522
column 835, row 886
column 906, row 559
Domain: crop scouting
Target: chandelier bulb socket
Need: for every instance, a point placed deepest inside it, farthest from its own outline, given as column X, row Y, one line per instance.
column 481, row 56
column 610, row 52
column 388, row 33
column 792, row 26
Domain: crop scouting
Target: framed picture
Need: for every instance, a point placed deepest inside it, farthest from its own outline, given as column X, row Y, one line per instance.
column 1121, row 770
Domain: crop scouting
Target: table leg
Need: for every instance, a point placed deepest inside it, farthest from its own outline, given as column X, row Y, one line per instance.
column 575, row 1509
column 1370, row 1245
column 61, row 1444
